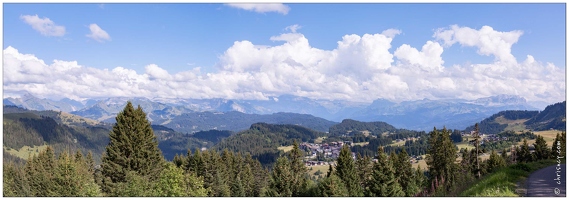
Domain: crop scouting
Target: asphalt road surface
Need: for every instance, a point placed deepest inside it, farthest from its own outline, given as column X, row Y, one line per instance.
column 547, row 182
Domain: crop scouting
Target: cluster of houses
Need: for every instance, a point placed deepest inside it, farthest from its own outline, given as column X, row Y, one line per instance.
column 494, row 138
column 332, row 150
column 486, row 137
column 328, row 150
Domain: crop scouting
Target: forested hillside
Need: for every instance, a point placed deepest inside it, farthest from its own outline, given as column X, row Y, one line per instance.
column 261, row 140
column 30, row 129
column 553, row 117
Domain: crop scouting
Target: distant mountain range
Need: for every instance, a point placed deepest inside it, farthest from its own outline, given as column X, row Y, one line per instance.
column 178, row 113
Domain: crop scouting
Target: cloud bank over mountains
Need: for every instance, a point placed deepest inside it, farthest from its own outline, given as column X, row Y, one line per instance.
column 361, row 68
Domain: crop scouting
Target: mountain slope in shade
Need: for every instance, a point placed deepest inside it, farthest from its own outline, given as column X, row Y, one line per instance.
column 552, row 117
column 22, row 127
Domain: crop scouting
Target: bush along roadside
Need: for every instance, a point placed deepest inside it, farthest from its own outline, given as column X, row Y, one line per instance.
column 504, row 182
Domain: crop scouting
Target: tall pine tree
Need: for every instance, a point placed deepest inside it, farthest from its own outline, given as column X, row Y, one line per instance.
column 281, row 181
column 404, row 173
column 132, row 148
column 383, row 182
column 495, row 161
column 442, row 157
column 558, row 146
column 346, row 170
column 524, row 155
column 363, row 169
column 298, row 170
column 541, row 150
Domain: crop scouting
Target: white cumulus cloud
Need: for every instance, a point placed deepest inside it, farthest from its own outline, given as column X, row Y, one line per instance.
column 293, row 28
column 98, row 34
column 44, row 25
column 262, row 7
column 391, row 32
column 361, row 68
column 488, row 41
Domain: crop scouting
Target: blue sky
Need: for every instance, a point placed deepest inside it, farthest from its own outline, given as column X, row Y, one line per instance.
column 180, row 37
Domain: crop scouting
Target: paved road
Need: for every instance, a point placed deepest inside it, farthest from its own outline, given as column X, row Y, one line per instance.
column 544, row 182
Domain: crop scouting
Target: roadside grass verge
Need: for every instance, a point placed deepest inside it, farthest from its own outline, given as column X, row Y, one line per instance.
column 503, row 182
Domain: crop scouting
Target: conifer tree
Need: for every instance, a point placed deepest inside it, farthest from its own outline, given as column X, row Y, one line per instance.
column 442, row 157
column 132, row 147
column 40, row 176
column 541, row 150
column 404, row 173
column 504, row 156
column 346, row 170
column 178, row 160
column 281, row 179
column 332, row 186
column 558, row 146
column 476, row 136
column 383, row 182
column 420, row 179
column 79, row 157
column 524, row 155
column 330, row 171
column 298, row 170
column 465, row 163
column 495, row 161
column 363, row 168
column 14, row 182
column 237, row 189
column 90, row 161
column 248, row 179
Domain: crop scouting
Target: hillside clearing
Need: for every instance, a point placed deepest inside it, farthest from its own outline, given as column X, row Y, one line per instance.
column 422, row 164
column 361, row 143
column 548, row 135
column 25, row 151
column 400, row 143
column 315, row 168
column 319, row 140
column 285, row 148
column 513, row 125
column 69, row 119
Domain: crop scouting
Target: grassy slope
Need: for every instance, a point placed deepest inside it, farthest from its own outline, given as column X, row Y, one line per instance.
column 285, row 148
column 549, row 137
column 503, row 182
column 319, row 140
column 514, row 125
column 70, row 119
column 322, row 168
column 25, row 151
